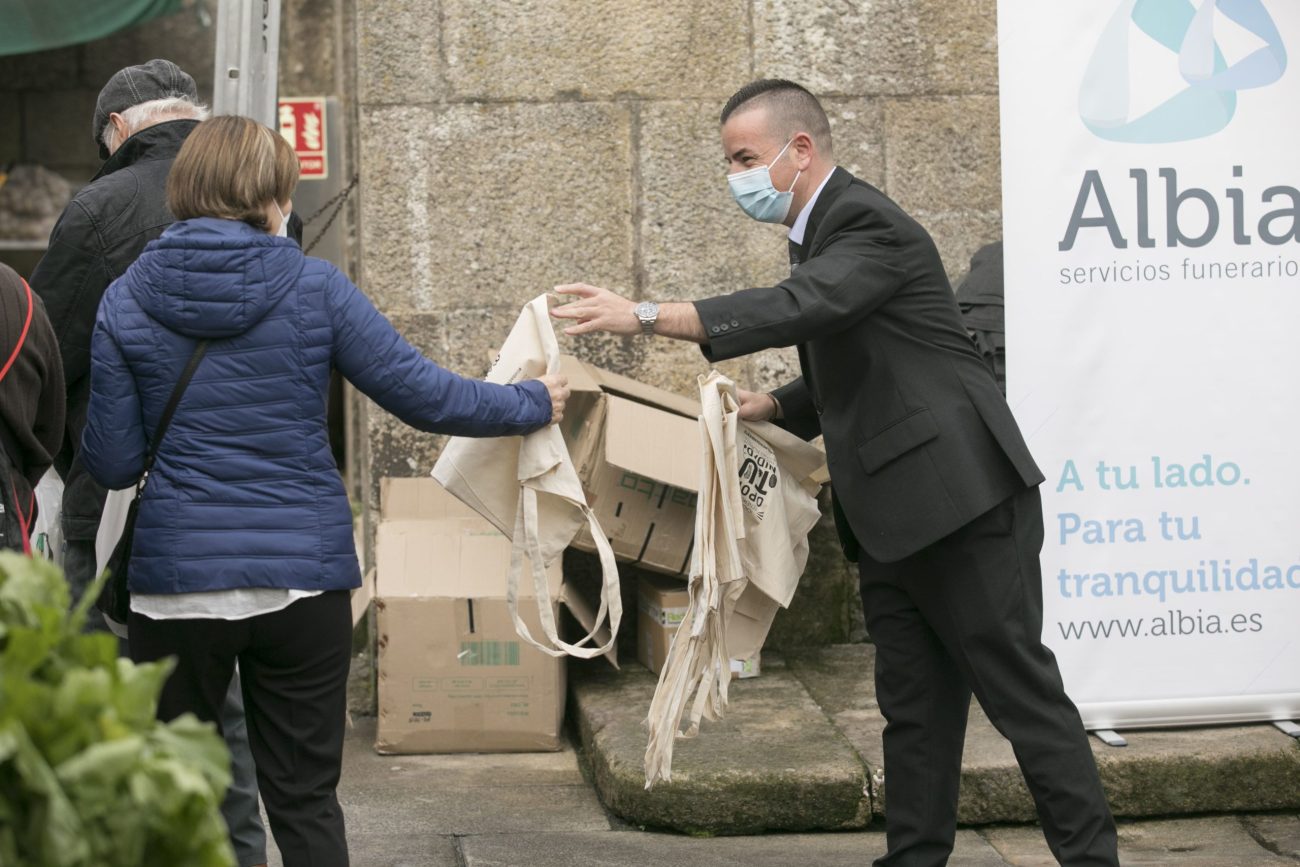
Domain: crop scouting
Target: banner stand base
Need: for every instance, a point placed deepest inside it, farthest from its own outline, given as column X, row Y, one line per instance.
column 1287, row 727
column 1110, row 738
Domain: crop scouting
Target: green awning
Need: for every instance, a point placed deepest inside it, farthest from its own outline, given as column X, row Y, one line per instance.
column 35, row 25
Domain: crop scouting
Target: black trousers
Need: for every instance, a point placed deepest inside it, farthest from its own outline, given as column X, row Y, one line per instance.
column 239, row 809
column 294, row 665
column 964, row 616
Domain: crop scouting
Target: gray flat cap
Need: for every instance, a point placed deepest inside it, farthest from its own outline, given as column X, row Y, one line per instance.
column 157, row 79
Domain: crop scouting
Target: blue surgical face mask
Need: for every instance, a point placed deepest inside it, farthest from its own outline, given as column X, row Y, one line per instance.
column 757, row 196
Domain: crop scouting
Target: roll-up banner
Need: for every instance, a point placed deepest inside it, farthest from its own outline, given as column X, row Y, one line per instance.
column 1150, row 170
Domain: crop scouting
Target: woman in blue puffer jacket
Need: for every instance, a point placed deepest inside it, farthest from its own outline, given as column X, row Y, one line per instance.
column 243, row 548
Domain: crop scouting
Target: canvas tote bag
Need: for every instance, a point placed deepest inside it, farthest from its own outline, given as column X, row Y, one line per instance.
column 779, row 495
column 756, row 505
column 112, row 523
column 528, row 488
column 47, row 532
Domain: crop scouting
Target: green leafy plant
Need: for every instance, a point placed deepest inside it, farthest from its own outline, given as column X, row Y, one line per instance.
column 88, row 776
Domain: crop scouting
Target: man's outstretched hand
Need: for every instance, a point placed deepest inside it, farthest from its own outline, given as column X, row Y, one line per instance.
column 756, row 405
column 596, row 309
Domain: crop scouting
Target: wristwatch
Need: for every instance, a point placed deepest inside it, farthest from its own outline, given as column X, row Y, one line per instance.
column 648, row 313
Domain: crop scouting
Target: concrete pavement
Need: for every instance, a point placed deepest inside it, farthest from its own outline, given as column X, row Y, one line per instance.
column 538, row 810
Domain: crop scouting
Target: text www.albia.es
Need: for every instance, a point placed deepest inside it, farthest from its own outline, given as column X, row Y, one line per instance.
column 1173, row 623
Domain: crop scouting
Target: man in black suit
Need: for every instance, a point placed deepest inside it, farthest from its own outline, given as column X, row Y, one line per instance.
column 936, row 493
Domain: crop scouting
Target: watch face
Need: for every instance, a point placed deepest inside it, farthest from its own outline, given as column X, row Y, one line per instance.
column 647, row 309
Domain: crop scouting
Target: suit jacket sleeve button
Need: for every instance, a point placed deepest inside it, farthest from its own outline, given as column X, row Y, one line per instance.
column 735, row 323
column 716, row 330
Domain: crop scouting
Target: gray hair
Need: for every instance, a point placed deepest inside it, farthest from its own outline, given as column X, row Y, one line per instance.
column 146, row 114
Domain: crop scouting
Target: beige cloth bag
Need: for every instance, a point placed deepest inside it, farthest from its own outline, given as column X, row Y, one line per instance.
column 528, row 487
column 779, row 496
column 112, row 523
column 757, row 503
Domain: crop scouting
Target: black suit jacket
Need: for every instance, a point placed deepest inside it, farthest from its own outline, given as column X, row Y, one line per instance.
column 919, row 440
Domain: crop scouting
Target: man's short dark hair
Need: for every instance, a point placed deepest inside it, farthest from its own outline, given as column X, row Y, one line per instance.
column 793, row 108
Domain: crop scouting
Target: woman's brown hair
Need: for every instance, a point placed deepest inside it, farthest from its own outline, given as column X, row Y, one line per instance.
column 231, row 167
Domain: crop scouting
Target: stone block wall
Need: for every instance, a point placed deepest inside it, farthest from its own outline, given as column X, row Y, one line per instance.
column 510, row 145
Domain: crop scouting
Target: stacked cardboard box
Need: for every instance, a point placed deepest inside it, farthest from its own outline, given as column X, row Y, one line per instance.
column 637, row 451
column 661, row 606
column 453, row 675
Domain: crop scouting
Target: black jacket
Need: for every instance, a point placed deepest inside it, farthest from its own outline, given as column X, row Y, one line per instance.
column 919, row 440
column 980, row 298
column 101, row 232
column 31, row 381
column 31, row 405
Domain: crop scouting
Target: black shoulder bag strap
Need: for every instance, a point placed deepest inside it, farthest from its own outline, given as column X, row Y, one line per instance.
column 170, row 410
column 115, row 599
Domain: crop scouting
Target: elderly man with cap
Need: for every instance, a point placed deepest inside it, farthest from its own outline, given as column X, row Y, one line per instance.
column 142, row 118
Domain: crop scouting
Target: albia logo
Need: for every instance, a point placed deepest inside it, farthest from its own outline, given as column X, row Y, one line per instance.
column 1208, row 101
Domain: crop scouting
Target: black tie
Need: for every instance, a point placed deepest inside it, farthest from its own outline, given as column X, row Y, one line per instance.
column 796, row 254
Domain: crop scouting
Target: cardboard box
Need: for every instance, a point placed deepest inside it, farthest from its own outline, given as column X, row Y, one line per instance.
column 424, row 498
column 661, row 606
column 637, row 451
column 418, row 499
column 453, row 675
column 362, row 597
column 585, row 616
column 751, row 666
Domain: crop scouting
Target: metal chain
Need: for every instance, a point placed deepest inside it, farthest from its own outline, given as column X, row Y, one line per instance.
column 337, row 202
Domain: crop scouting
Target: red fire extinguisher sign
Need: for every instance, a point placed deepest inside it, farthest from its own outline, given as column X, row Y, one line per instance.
column 302, row 123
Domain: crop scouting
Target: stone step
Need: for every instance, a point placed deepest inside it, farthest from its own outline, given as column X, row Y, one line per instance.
column 775, row 763
column 1162, row 772
column 800, row 750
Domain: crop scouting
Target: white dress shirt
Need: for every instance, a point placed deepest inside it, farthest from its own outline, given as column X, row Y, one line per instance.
column 801, row 222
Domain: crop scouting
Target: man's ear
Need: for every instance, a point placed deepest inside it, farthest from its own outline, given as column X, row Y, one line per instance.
column 121, row 131
column 805, row 149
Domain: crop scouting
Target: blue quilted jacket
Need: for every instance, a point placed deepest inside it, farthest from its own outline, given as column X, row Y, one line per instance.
column 245, row 492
